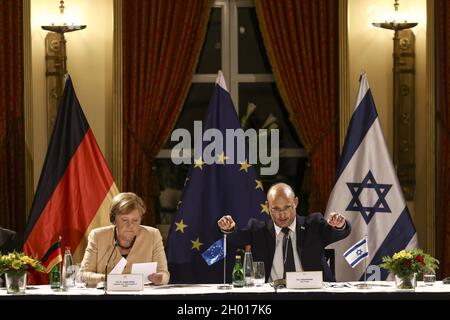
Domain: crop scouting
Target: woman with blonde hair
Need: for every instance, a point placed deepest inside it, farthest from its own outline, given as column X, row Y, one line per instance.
column 126, row 238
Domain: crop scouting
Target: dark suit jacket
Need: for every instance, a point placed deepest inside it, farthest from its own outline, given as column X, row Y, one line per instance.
column 313, row 235
column 8, row 241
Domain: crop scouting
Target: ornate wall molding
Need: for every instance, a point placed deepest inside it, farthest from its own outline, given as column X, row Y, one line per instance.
column 431, row 130
column 345, row 110
column 117, row 115
column 28, row 106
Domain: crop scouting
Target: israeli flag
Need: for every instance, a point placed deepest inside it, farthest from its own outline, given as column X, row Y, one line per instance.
column 357, row 253
column 368, row 193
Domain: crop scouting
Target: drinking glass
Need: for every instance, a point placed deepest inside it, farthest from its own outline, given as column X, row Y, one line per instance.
column 80, row 281
column 260, row 274
column 429, row 278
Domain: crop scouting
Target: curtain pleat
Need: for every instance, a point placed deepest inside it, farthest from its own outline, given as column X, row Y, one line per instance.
column 162, row 41
column 443, row 74
column 301, row 38
column 12, row 152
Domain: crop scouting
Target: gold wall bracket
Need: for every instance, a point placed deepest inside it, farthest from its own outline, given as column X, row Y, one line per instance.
column 404, row 101
column 404, row 110
column 55, row 62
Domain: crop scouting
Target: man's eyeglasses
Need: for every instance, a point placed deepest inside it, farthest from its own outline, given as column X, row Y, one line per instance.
column 279, row 210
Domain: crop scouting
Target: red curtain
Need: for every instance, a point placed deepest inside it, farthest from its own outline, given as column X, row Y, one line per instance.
column 301, row 38
column 443, row 74
column 12, row 153
column 162, row 41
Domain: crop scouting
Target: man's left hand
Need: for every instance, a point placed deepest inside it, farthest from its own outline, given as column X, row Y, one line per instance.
column 336, row 220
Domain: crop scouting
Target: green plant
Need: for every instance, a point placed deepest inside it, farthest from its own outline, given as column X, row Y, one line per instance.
column 407, row 262
column 270, row 122
column 18, row 262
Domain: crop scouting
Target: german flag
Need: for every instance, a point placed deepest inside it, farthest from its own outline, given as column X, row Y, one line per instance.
column 75, row 188
column 52, row 257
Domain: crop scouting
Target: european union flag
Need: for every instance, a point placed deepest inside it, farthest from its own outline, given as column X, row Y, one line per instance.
column 214, row 253
column 211, row 191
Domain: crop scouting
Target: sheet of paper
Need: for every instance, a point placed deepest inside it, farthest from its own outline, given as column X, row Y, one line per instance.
column 118, row 268
column 145, row 268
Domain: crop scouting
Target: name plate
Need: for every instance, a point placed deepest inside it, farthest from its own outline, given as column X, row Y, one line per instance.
column 304, row 280
column 125, row 282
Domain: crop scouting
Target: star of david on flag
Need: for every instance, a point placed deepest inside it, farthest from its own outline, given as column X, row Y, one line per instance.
column 367, row 191
column 357, row 253
column 381, row 190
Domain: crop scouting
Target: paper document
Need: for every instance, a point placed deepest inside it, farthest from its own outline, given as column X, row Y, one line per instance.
column 145, row 268
column 118, row 268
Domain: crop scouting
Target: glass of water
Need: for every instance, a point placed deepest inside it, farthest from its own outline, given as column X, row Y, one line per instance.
column 429, row 278
column 260, row 273
column 80, row 281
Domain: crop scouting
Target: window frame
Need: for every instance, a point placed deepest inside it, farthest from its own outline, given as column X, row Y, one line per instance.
column 230, row 65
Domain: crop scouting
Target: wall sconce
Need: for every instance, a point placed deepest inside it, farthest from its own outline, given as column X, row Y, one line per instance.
column 56, row 63
column 404, row 101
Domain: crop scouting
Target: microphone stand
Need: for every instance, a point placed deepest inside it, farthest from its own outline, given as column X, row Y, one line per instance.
column 106, row 267
column 224, row 286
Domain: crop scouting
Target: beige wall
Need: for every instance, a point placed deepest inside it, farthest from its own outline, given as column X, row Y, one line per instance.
column 370, row 49
column 89, row 62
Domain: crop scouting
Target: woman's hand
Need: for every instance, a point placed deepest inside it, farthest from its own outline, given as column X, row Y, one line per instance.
column 155, row 278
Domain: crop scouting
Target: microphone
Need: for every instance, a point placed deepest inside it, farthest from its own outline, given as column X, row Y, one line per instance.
column 116, row 243
column 278, row 284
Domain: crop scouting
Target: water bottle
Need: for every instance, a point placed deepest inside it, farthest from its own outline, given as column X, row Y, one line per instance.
column 249, row 272
column 55, row 277
column 238, row 273
column 68, row 273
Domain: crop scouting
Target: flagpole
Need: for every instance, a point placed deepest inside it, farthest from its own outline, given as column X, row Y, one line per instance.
column 365, row 285
column 225, row 286
column 365, row 272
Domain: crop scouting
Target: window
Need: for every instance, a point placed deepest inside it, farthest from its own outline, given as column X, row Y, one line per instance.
column 234, row 45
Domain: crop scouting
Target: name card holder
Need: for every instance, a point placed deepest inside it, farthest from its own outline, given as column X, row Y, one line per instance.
column 304, row 280
column 125, row 282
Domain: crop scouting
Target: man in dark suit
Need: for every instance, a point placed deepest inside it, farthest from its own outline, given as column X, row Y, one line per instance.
column 288, row 242
column 8, row 243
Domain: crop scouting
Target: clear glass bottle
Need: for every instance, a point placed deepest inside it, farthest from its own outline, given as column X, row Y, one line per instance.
column 238, row 273
column 55, row 277
column 68, row 272
column 249, row 272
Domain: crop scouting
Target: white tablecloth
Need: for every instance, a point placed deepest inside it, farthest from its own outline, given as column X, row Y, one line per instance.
column 205, row 289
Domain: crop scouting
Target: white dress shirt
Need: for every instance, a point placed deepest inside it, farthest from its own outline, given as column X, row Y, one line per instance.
column 277, row 263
